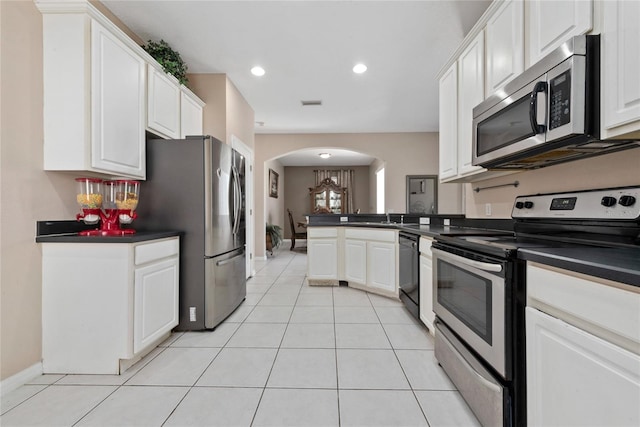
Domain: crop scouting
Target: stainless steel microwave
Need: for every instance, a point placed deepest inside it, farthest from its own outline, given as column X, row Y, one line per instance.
column 548, row 114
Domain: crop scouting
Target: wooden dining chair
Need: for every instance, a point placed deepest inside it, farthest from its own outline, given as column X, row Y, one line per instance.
column 295, row 234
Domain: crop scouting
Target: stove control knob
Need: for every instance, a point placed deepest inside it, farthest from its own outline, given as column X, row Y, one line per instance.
column 528, row 205
column 627, row 200
column 519, row 205
column 608, row 201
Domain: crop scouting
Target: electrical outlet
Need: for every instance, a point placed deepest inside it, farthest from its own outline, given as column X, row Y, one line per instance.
column 344, row 219
column 192, row 314
column 425, row 221
column 487, row 209
column 446, row 222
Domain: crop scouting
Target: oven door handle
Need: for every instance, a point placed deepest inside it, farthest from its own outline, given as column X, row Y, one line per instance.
column 486, row 266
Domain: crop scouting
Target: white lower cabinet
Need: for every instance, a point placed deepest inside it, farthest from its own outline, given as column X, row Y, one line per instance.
column 583, row 350
column 427, row 316
column 355, row 261
column 381, row 266
column 575, row 378
column 367, row 258
column 322, row 253
column 105, row 305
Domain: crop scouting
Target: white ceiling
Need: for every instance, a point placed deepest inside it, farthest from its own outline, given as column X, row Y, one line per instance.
column 339, row 157
column 308, row 49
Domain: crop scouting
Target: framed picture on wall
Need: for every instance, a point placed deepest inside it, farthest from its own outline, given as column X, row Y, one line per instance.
column 273, row 183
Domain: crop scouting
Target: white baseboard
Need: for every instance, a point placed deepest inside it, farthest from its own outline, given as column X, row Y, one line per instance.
column 21, row 378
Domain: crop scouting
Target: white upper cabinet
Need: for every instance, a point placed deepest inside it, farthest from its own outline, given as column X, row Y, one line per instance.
column 504, row 45
column 552, row 22
column 117, row 105
column 190, row 113
column 620, row 68
column 94, row 90
column 470, row 94
column 448, row 136
column 163, row 103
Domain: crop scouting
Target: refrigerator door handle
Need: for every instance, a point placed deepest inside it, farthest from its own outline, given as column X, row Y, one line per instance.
column 236, row 200
column 228, row 261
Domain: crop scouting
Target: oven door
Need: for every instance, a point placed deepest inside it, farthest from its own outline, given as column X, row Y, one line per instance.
column 469, row 297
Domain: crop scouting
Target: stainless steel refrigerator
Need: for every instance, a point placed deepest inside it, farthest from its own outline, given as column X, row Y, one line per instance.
column 196, row 185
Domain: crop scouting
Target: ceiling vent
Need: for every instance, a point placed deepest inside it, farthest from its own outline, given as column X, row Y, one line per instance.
column 311, row 102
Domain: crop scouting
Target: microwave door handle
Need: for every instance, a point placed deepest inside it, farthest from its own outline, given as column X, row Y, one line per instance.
column 533, row 108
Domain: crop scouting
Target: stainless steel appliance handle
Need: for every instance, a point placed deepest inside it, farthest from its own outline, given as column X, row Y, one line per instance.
column 486, row 266
column 533, row 107
column 227, row 261
column 237, row 200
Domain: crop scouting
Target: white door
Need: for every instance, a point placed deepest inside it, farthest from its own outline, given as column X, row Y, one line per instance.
column 247, row 152
column 191, row 117
column 117, row 105
column 552, row 23
column 322, row 260
column 575, row 378
column 155, row 307
column 470, row 94
column 504, row 45
column 448, row 110
column 621, row 63
column 163, row 104
column 355, row 261
column 381, row 266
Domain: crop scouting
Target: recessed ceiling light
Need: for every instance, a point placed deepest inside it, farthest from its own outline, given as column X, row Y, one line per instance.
column 359, row 68
column 257, row 71
column 325, row 155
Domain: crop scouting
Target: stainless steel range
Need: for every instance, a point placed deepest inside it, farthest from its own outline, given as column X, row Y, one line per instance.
column 480, row 290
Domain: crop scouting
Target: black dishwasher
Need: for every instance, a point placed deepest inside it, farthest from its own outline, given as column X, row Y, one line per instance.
column 409, row 269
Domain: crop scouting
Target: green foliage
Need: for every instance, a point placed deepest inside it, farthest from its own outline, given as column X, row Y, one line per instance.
column 275, row 231
column 169, row 59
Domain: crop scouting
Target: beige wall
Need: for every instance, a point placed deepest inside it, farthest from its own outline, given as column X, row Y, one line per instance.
column 273, row 207
column 27, row 192
column 212, row 89
column 611, row 170
column 300, row 178
column 403, row 154
column 240, row 117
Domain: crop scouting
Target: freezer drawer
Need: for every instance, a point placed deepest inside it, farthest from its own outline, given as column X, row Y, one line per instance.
column 225, row 286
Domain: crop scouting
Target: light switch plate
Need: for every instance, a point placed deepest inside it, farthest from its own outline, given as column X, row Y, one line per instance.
column 446, row 222
column 425, row 221
column 344, row 219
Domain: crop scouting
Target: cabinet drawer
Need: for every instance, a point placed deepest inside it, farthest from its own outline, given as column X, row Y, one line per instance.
column 147, row 252
column 322, row 232
column 371, row 234
column 598, row 302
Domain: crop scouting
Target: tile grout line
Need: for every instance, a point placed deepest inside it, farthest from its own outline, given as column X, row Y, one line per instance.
column 255, row 412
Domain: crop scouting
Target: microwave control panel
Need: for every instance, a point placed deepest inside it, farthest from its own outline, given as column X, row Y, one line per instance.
column 559, row 100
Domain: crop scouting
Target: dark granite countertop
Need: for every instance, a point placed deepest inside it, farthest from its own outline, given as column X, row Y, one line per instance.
column 67, row 232
column 617, row 264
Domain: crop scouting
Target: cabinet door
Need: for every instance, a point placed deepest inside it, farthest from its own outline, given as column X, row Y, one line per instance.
column 505, row 45
column 381, row 266
column 448, row 109
column 190, row 116
column 575, row 378
column 163, row 104
column 426, row 292
column 117, row 105
column 155, row 307
column 322, row 260
column 470, row 94
column 621, row 64
column 355, row 259
column 551, row 23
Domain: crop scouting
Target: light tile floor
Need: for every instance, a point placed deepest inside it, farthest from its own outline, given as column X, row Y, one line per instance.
column 290, row 355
